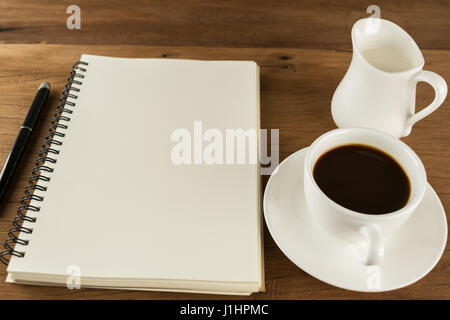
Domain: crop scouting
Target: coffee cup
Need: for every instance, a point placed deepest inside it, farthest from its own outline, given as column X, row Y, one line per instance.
column 365, row 232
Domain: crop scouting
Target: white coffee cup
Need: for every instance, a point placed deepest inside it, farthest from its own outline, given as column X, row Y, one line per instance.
column 364, row 231
column 379, row 89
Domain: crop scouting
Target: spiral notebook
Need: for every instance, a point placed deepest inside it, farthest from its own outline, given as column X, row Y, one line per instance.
column 111, row 206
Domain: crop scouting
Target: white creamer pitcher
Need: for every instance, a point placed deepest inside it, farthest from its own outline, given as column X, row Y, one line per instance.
column 379, row 88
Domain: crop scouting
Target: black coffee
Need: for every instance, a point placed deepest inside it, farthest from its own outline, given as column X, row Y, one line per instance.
column 363, row 179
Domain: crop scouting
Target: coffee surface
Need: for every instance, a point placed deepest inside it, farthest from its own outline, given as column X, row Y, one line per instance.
column 363, row 179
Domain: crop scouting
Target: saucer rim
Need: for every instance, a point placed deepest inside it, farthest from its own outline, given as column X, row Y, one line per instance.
column 332, row 282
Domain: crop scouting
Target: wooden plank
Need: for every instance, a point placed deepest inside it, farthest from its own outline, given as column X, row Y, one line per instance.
column 296, row 90
column 231, row 23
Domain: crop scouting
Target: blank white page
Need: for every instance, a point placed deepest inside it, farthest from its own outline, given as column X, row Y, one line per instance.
column 118, row 207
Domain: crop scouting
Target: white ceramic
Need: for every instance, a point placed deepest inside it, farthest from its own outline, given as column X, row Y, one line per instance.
column 370, row 95
column 366, row 232
column 409, row 254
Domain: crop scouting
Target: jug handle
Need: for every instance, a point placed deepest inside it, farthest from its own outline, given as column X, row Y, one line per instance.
column 440, row 89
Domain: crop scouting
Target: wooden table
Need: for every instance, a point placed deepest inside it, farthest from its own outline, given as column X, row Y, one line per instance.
column 303, row 48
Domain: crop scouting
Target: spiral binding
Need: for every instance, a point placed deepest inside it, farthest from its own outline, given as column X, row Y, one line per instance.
column 46, row 156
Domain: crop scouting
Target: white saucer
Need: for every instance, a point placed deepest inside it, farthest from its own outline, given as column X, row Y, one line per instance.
column 409, row 255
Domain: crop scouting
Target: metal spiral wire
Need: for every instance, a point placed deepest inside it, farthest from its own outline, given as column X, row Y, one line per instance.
column 47, row 156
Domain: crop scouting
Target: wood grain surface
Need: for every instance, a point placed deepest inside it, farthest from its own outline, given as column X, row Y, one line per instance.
column 303, row 49
column 230, row 23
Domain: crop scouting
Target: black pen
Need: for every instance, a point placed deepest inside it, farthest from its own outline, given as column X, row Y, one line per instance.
column 21, row 142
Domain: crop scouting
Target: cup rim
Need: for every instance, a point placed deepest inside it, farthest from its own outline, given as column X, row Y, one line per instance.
column 387, row 22
column 412, row 203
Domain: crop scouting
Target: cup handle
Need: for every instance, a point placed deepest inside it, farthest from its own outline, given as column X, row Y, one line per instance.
column 440, row 88
column 375, row 247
